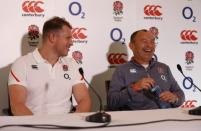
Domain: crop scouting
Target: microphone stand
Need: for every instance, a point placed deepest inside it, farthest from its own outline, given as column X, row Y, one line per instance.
column 197, row 110
column 100, row 116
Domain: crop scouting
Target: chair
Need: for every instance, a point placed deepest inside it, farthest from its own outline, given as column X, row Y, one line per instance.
column 107, row 86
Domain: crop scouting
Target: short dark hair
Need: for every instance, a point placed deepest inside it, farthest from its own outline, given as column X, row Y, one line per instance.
column 54, row 24
column 133, row 35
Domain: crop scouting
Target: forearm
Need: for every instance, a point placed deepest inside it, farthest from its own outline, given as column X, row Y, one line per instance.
column 84, row 105
column 20, row 110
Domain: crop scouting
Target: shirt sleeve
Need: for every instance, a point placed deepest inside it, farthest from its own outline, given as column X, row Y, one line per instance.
column 119, row 94
column 17, row 74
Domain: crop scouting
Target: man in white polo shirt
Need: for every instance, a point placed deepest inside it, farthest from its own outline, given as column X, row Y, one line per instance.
column 42, row 82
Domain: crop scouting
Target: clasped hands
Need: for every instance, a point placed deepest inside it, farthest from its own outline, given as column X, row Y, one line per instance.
column 147, row 83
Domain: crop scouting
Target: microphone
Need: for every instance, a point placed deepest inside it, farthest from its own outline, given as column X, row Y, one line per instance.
column 180, row 70
column 100, row 116
column 196, row 111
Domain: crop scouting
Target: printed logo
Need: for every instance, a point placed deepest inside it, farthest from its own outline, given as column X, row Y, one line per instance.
column 33, row 8
column 66, row 76
column 188, row 83
column 65, row 67
column 33, row 35
column 79, row 35
column 77, row 56
column 153, row 12
column 189, row 104
column 189, row 37
column 117, row 35
column 118, row 11
column 189, row 57
column 117, row 58
column 133, row 71
column 187, row 13
column 75, row 9
column 34, row 67
column 154, row 31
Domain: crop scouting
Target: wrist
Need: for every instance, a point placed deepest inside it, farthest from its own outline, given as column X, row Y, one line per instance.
column 176, row 99
column 135, row 87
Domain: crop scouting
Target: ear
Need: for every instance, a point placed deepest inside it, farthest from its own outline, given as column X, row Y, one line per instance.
column 52, row 37
column 131, row 45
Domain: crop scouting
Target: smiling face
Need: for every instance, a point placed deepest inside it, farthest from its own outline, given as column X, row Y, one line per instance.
column 143, row 47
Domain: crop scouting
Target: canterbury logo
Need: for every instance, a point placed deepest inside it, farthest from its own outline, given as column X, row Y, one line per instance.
column 152, row 10
column 116, row 58
column 188, row 35
column 189, row 104
column 77, row 33
column 32, row 6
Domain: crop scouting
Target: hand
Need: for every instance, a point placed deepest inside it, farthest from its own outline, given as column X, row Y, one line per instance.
column 144, row 83
column 169, row 97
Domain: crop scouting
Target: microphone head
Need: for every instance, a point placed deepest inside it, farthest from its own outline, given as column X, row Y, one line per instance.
column 179, row 68
column 81, row 71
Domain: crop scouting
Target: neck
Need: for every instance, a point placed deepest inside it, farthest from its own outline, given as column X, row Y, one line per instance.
column 48, row 55
column 141, row 62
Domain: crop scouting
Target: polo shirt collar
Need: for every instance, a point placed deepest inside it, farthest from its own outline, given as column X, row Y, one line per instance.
column 39, row 59
column 37, row 56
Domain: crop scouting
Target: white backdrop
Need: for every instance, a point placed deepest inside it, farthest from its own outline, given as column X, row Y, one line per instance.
column 101, row 34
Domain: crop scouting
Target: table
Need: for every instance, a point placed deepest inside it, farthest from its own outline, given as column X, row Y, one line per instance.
column 118, row 118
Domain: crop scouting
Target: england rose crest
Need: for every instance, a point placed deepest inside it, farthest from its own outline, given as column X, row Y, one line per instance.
column 118, row 8
column 77, row 56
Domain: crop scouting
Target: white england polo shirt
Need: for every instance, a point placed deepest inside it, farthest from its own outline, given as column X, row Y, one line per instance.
column 49, row 88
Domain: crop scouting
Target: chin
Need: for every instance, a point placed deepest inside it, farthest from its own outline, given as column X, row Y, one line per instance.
column 65, row 54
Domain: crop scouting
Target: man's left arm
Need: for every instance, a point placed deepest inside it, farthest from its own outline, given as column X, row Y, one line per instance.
column 175, row 94
column 82, row 97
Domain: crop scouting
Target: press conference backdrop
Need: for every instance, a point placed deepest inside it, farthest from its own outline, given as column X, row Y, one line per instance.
column 101, row 32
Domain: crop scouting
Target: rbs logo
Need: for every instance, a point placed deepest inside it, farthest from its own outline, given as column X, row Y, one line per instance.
column 152, row 10
column 32, row 6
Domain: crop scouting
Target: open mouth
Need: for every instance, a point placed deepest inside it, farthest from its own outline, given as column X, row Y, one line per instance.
column 148, row 50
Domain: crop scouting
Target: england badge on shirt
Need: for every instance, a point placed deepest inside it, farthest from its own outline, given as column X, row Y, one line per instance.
column 65, row 67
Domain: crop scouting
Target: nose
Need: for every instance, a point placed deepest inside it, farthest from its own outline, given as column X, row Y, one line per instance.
column 70, row 42
column 151, row 43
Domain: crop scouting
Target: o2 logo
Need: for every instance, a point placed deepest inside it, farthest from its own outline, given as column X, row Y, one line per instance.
column 117, row 35
column 188, row 83
column 187, row 13
column 75, row 9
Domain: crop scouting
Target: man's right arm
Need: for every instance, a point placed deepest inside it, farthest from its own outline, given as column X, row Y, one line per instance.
column 18, row 95
column 119, row 95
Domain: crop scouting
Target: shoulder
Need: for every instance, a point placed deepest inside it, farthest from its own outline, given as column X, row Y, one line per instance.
column 125, row 65
column 161, row 64
column 23, row 60
column 124, row 68
column 70, row 62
